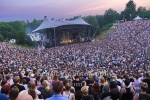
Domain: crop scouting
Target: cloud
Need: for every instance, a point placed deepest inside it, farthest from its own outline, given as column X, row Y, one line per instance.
column 89, row 9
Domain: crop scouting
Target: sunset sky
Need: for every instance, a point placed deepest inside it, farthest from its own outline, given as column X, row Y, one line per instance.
column 28, row 9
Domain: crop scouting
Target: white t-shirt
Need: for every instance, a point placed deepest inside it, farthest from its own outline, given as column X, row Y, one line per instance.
column 68, row 96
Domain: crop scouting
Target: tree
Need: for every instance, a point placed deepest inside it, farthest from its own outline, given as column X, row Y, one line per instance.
column 5, row 30
column 110, row 16
column 29, row 42
column 130, row 10
column 140, row 11
column 75, row 17
column 147, row 14
column 1, row 38
column 21, row 37
column 18, row 25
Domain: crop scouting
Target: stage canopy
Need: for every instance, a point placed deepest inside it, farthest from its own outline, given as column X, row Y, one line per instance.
column 56, row 23
column 137, row 18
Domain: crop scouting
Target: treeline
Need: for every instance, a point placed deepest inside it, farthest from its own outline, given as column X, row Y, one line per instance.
column 15, row 30
column 18, row 29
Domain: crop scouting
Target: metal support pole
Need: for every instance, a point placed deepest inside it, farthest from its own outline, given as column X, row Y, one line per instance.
column 54, row 37
column 89, row 33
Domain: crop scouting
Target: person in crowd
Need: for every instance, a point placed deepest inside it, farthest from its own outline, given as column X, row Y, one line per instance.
column 142, row 95
column 38, row 81
column 56, row 78
column 8, row 78
column 96, row 91
column 85, row 95
column 24, row 84
column 32, row 77
column 91, row 82
column 77, row 83
column 72, row 90
column 23, row 95
column 136, row 85
column 127, row 93
column 16, row 81
column 14, row 93
column 114, row 94
column 32, row 90
column 41, row 88
column 78, row 95
column 26, row 77
column 57, row 88
column 102, row 83
column 6, row 90
column 109, row 86
column 147, row 80
column 46, row 92
column 67, row 94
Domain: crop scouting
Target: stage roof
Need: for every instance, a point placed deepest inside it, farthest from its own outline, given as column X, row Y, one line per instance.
column 56, row 23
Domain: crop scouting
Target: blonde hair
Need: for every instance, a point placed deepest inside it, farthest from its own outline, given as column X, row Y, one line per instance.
column 46, row 85
column 84, row 90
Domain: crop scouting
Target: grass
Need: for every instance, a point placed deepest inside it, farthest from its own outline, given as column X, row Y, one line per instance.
column 17, row 45
column 104, row 34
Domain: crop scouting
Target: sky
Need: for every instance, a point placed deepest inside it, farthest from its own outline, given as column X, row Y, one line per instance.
column 11, row 10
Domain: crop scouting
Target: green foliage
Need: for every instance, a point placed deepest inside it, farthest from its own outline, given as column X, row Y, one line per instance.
column 140, row 11
column 106, row 27
column 14, row 30
column 100, row 20
column 75, row 17
column 130, row 11
column 147, row 14
column 6, row 29
column 18, row 25
column 29, row 42
column 91, row 20
column 110, row 16
column 21, row 37
column 1, row 38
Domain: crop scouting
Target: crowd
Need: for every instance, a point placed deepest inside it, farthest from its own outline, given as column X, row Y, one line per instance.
column 115, row 68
